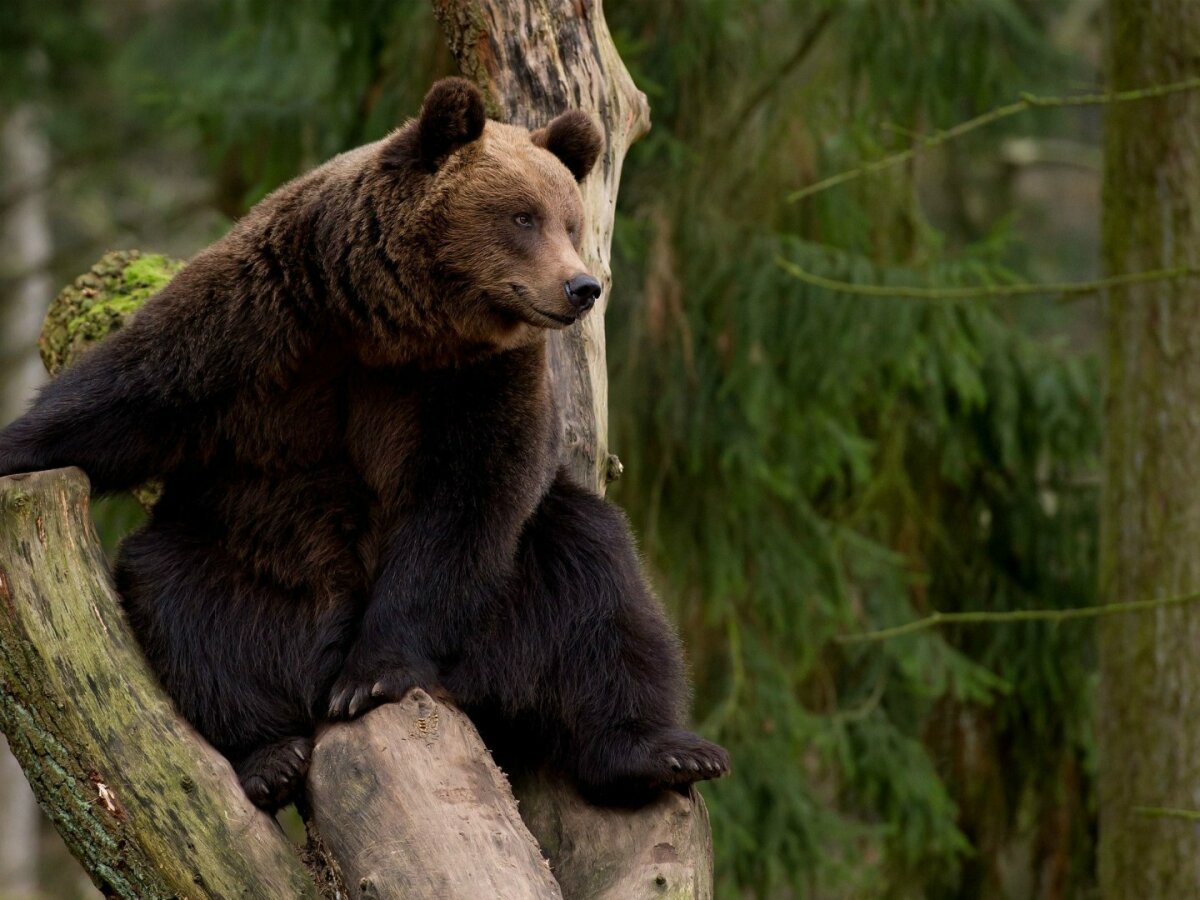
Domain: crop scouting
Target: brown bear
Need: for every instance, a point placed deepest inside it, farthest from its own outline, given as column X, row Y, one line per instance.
column 347, row 401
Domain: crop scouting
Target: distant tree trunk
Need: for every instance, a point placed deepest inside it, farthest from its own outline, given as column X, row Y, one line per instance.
column 1150, row 662
column 26, row 238
column 27, row 241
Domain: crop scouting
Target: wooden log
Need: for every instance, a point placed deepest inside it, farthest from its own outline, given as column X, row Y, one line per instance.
column 146, row 805
column 662, row 850
column 410, row 802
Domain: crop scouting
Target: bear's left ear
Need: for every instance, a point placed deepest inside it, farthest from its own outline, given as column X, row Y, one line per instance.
column 574, row 138
column 451, row 117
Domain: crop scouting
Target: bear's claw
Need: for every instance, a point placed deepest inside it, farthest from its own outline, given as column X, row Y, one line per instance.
column 271, row 774
column 352, row 697
column 679, row 757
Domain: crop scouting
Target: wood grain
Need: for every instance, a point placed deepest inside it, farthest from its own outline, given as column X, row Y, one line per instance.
column 410, row 802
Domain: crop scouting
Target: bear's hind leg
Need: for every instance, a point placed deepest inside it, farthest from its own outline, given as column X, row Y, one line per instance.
column 671, row 757
column 245, row 661
column 582, row 648
column 271, row 775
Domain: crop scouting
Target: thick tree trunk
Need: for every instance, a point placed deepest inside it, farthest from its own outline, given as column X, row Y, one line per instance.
column 1150, row 666
column 534, row 60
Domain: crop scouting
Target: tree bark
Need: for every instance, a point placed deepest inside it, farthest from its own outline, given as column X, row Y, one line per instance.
column 534, row 60
column 1150, row 668
column 416, row 774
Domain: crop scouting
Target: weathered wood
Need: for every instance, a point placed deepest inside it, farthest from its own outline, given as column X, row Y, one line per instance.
column 662, row 850
column 410, row 802
column 149, row 809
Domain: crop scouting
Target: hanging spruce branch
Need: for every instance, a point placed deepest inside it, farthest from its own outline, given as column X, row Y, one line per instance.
column 986, row 291
column 1012, row 617
column 1027, row 102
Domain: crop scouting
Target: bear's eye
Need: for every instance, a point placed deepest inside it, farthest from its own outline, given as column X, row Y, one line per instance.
column 525, row 220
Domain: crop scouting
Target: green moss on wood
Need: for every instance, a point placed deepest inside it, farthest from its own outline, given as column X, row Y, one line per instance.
column 95, row 305
column 99, row 301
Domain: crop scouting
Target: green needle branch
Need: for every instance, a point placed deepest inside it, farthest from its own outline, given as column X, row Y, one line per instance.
column 1166, row 812
column 1027, row 101
column 982, row 291
column 939, row 619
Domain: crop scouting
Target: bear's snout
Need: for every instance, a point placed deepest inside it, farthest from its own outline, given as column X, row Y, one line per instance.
column 582, row 291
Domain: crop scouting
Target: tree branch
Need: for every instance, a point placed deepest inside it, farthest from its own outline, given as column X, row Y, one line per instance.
column 146, row 805
column 984, row 617
column 808, row 40
column 982, row 291
column 1027, row 102
column 1168, row 812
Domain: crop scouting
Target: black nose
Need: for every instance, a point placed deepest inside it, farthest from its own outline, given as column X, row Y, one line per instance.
column 583, row 291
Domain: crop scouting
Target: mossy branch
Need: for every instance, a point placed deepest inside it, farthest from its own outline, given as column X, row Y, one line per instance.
column 1009, row 617
column 981, row 292
column 1026, row 102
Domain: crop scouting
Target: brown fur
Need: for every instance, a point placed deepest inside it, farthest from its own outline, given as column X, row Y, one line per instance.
column 347, row 399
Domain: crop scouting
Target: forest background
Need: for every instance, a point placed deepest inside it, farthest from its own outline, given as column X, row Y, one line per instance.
column 801, row 463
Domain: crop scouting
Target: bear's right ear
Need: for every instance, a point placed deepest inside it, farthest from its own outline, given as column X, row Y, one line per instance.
column 451, row 116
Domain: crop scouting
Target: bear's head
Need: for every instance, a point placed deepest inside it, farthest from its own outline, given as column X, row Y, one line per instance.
column 499, row 217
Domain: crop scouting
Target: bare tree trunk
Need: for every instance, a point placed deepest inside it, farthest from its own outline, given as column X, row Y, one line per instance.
column 26, row 234
column 535, row 59
column 1150, row 664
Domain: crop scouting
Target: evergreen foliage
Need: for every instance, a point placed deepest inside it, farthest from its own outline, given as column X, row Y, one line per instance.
column 804, row 464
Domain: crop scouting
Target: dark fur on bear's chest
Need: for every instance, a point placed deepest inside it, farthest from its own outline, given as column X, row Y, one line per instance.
column 304, row 488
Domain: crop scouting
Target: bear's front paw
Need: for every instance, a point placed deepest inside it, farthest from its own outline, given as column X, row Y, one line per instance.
column 681, row 757
column 354, row 694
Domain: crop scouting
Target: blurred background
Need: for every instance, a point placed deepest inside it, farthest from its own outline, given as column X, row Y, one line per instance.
column 799, row 464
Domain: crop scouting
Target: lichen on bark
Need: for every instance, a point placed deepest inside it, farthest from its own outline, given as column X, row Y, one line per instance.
column 95, row 305
column 99, row 301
